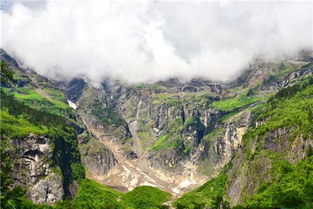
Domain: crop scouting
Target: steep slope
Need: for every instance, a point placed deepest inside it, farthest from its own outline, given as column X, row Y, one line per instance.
column 185, row 132
column 39, row 152
column 173, row 135
column 273, row 167
column 43, row 146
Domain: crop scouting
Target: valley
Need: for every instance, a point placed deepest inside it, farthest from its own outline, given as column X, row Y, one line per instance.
column 183, row 144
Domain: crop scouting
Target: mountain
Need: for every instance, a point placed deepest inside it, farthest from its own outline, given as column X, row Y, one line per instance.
column 195, row 144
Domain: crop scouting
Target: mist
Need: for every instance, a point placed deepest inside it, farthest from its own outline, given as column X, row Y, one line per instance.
column 147, row 41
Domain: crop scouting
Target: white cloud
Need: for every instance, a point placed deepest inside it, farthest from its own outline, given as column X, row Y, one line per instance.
column 149, row 40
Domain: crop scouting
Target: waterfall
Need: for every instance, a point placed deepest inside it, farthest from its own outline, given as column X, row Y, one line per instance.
column 138, row 108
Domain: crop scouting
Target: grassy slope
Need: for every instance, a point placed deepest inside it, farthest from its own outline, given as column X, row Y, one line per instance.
column 92, row 195
column 208, row 195
column 25, row 111
column 234, row 103
column 291, row 184
column 17, row 127
column 47, row 99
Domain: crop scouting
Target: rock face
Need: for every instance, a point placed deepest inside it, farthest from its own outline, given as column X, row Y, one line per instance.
column 34, row 153
column 171, row 126
column 96, row 157
column 242, row 179
column 95, row 109
column 47, row 190
column 40, row 135
column 173, row 134
column 75, row 89
column 33, row 169
column 159, row 129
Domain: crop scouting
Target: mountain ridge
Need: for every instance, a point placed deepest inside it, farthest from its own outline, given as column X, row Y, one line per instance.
column 172, row 135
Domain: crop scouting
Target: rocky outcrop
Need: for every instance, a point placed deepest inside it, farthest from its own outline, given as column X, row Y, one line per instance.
column 171, row 108
column 34, row 153
column 96, row 157
column 247, row 173
column 96, row 109
column 33, row 170
column 173, row 123
column 219, row 146
column 75, row 89
column 47, row 190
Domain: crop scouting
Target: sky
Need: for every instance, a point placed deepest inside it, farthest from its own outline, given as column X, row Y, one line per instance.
column 147, row 41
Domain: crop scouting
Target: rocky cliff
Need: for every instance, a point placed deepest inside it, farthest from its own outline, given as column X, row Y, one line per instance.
column 175, row 135
column 272, row 167
column 39, row 138
column 189, row 130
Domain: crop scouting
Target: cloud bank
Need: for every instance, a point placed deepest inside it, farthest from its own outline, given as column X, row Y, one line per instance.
column 146, row 41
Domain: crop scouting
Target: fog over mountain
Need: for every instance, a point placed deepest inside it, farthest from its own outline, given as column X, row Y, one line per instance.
column 145, row 41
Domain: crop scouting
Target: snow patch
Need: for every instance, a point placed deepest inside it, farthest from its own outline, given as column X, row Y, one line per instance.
column 148, row 184
column 72, row 104
column 186, row 183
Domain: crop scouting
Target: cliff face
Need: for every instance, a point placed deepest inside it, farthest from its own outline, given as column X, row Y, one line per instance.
column 32, row 169
column 174, row 135
column 272, row 167
column 38, row 138
column 275, row 148
column 187, row 129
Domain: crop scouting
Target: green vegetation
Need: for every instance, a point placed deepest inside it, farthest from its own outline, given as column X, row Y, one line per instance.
column 146, row 197
column 160, row 98
column 290, row 108
column 175, row 126
column 207, row 196
column 190, row 122
column 194, row 123
column 210, row 137
column 172, row 138
column 51, row 104
column 141, row 86
column 18, row 120
column 18, row 127
column 108, row 115
column 233, row 104
column 92, row 195
column 173, row 101
column 290, row 187
column 158, row 87
column 160, row 143
column 145, row 138
column 167, row 99
column 40, row 112
column 204, row 100
column 278, row 72
column 224, row 118
column 286, row 185
column 201, row 99
column 292, row 90
column 6, row 76
column 282, row 70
